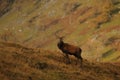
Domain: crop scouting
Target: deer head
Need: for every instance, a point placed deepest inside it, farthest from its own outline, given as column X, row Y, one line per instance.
column 59, row 37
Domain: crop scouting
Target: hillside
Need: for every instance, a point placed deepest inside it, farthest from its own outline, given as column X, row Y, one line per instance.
column 93, row 27
column 21, row 63
column 28, row 42
column 85, row 23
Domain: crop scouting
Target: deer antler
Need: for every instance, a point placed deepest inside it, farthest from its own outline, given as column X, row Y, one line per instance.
column 58, row 32
column 56, row 35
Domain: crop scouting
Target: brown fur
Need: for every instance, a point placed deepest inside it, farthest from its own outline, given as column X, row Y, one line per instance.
column 68, row 49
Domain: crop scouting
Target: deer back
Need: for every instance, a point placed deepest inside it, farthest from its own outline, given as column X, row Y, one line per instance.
column 70, row 48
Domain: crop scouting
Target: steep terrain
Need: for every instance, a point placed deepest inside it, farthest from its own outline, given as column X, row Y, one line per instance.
column 21, row 63
column 93, row 27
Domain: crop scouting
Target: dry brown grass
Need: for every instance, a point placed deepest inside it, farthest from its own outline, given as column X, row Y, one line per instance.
column 21, row 63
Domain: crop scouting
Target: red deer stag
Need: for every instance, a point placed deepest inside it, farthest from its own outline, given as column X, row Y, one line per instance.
column 68, row 49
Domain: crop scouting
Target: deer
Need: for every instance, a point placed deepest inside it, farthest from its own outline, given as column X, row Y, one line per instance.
column 69, row 49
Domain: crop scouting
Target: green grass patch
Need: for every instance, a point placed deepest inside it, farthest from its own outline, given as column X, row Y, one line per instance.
column 113, row 57
column 108, row 53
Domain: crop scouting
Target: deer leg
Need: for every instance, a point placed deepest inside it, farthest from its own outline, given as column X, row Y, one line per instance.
column 79, row 58
column 77, row 61
column 67, row 58
column 81, row 61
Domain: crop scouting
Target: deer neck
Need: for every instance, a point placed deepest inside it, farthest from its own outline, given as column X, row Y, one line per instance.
column 60, row 44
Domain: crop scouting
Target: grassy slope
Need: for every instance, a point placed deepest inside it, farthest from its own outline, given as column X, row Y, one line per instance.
column 20, row 63
column 84, row 23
